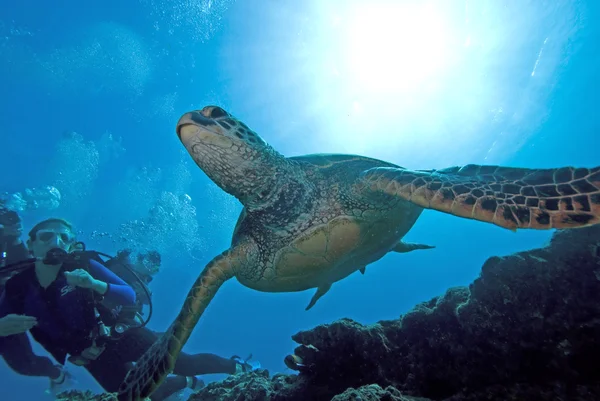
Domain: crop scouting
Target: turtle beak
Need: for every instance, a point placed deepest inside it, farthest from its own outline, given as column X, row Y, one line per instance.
column 190, row 123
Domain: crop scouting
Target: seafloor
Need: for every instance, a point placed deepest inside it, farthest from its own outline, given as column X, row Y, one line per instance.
column 527, row 329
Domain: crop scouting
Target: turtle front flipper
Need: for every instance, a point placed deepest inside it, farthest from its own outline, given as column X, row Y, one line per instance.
column 156, row 363
column 509, row 197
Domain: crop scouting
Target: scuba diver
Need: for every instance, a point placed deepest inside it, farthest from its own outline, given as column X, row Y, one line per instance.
column 137, row 270
column 15, row 346
column 81, row 309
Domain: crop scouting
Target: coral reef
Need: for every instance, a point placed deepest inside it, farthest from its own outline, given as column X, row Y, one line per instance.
column 528, row 328
column 75, row 395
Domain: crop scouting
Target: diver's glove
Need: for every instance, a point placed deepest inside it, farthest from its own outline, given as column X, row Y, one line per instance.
column 245, row 365
column 194, row 383
column 64, row 382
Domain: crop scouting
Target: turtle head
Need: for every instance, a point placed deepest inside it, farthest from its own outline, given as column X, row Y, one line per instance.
column 231, row 154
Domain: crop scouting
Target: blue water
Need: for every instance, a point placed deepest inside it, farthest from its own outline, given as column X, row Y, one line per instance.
column 496, row 82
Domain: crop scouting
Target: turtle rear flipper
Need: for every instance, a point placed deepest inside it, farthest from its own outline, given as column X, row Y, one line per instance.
column 157, row 362
column 322, row 290
column 404, row 247
column 509, row 197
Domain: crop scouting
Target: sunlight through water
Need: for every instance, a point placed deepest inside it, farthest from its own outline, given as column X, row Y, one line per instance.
column 425, row 84
column 393, row 47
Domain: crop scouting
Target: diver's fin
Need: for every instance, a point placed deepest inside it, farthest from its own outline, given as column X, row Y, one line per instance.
column 363, row 269
column 403, row 247
column 322, row 290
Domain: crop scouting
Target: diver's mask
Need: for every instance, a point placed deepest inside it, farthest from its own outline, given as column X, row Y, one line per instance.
column 47, row 236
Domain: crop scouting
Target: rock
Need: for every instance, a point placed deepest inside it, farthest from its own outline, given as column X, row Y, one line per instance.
column 530, row 392
column 244, row 387
column 373, row 392
column 532, row 317
column 74, row 395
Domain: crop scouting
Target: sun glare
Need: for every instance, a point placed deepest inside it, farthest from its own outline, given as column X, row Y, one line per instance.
column 394, row 47
column 416, row 82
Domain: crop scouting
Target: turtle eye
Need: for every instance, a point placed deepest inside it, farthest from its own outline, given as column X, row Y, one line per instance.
column 218, row 112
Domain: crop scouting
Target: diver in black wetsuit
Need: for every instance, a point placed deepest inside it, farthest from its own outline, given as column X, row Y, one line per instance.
column 15, row 347
column 75, row 308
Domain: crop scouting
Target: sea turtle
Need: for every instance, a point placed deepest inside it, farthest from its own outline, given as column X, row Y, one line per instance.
column 309, row 221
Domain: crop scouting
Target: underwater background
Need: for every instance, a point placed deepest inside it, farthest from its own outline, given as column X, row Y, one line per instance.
column 90, row 93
